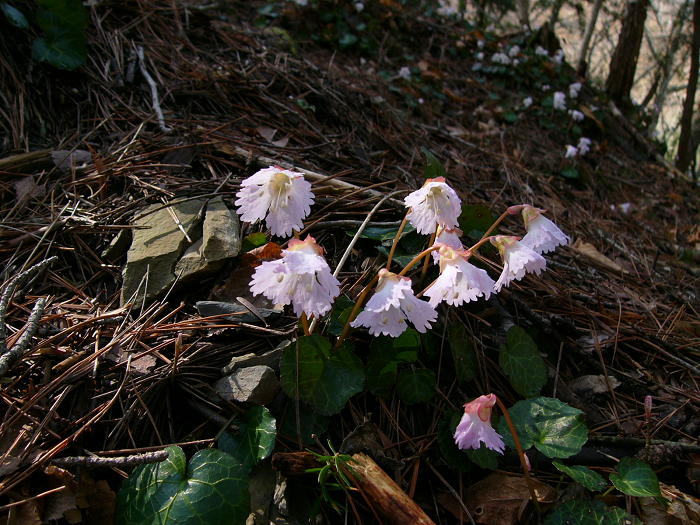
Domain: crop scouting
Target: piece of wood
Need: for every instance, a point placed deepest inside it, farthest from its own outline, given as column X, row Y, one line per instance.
column 294, row 463
column 389, row 501
column 24, row 163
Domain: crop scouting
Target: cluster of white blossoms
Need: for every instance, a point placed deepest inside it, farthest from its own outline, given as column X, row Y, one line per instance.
column 583, row 147
column 303, row 279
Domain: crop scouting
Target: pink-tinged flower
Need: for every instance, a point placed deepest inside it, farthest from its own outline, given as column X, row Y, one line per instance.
column 518, row 259
column 391, row 305
column 432, row 205
column 475, row 426
column 301, row 278
column 282, row 197
column 559, row 101
column 571, row 151
column 450, row 238
column 459, row 281
column 542, row 234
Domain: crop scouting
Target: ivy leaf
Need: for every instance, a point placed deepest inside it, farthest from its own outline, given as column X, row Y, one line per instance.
column 484, row 457
column 62, row 53
column 63, row 44
column 635, row 478
column 309, row 423
column 475, row 220
column 522, row 363
column 14, row 15
column 255, row 438
column 433, row 167
column 589, row 512
column 554, row 428
column 212, row 489
column 416, row 385
column 455, row 458
column 570, row 173
column 326, row 378
column 463, row 354
column 590, row 479
column 252, row 241
column 342, row 308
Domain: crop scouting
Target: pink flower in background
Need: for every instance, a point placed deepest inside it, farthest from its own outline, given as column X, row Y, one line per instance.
column 459, row 281
column 432, row 205
column 543, row 235
column 450, row 238
column 301, row 278
column 475, row 426
column 571, row 151
column 518, row 259
column 282, row 197
column 559, row 101
column 391, row 305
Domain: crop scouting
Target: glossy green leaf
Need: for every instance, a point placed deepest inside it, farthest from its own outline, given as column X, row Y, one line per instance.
column 326, row 377
column 255, row 438
column 382, row 234
column 635, row 478
column 385, row 356
column 463, row 354
column 475, row 220
column 63, row 43
column 14, row 15
column 554, row 428
column 483, row 457
column 433, row 167
column 342, row 308
column 522, row 363
column 212, row 489
column 583, row 475
column 252, row 241
column 454, row 458
column 570, row 173
column 589, row 512
column 415, row 385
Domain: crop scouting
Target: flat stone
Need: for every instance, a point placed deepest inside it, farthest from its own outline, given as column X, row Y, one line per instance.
column 254, row 384
column 270, row 359
column 237, row 311
column 156, row 246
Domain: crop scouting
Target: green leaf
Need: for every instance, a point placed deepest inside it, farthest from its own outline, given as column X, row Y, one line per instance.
column 382, row 234
column 252, row 241
column 14, row 16
column 416, row 385
column 399, row 259
column 510, row 117
column 522, row 363
column 475, row 220
column 554, row 428
column 433, row 167
column 635, row 478
column 455, row 458
column 342, row 308
column 386, row 354
column 211, row 490
column 255, row 438
column 589, row 512
column 483, row 457
column 590, row 479
column 463, row 354
column 326, row 378
column 569, row 173
column 309, row 423
column 61, row 53
column 63, row 43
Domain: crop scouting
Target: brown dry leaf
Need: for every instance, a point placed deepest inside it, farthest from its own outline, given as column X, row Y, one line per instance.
column 27, row 188
column 591, row 252
column 682, row 510
column 238, row 283
column 499, row 499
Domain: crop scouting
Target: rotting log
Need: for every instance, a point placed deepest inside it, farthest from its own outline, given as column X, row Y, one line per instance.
column 387, row 499
column 26, row 162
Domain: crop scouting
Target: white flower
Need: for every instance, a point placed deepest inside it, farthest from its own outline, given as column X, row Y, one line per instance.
column 282, row 197
column 559, row 56
column 500, row 58
column 527, row 102
column 432, row 205
column 584, row 145
column 574, row 89
column 515, row 62
column 576, row 115
column 447, row 10
column 449, row 237
column 543, row 235
column 559, row 101
column 571, row 151
column 459, row 281
column 514, row 51
column 301, row 2
column 391, row 305
column 405, row 73
column 479, row 55
column 480, row 44
column 477, row 66
column 540, row 51
column 475, row 426
column 301, row 278
column 546, row 87
column 359, row 7
column 518, row 260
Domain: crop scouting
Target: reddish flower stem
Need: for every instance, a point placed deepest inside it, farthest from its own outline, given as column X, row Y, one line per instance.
column 396, row 241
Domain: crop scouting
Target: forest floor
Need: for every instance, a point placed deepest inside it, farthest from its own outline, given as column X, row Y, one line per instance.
column 615, row 316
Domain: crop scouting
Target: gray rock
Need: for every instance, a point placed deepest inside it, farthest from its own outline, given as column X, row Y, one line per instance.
column 261, row 485
column 238, row 311
column 156, row 246
column 254, row 384
column 270, row 359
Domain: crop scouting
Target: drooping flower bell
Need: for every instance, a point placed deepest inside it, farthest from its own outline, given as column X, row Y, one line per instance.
column 542, row 235
column 449, row 237
column 459, row 281
column 475, row 426
column 436, row 203
column 518, row 259
column 392, row 304
column 282, row 197
column 301, row 278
